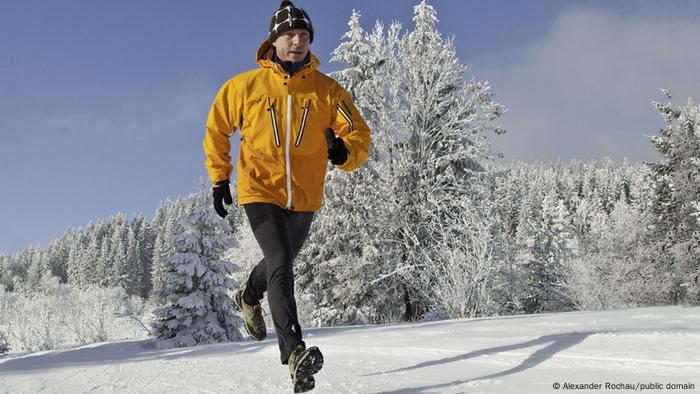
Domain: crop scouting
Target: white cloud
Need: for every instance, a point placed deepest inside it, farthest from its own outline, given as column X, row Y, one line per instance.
column 585, row 89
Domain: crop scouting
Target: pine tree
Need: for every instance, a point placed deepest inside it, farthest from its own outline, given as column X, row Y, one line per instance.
column 447, row 121
column 32, row 260
column 75, row 260
column 133, row 270
column 145, row 246
column 103, row 266
column 356, row 53
column 560, row 248
column 349, row 253
column 163, row 225
column 526, row 258
column 88, row 258
column 198, row 307
column 58, row 259
column 119, row 260
column 509, row 186
column 428, row 137
column 676, row 182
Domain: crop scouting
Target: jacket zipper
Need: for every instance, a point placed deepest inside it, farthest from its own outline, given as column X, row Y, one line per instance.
column 303, row 123
column 271, row 108
column 342, row 112
column 286, row 152
column 347, row 107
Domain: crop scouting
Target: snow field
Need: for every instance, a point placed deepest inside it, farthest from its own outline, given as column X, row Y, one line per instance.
column 517, row 354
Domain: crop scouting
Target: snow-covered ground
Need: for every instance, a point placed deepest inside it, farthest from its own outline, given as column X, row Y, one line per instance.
column 518, row 354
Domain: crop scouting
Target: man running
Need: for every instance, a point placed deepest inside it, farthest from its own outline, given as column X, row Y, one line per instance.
column 292, row 119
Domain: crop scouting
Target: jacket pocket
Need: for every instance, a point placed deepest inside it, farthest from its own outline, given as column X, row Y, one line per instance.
column 273, row 117
column 345, row 112
column 303, row 123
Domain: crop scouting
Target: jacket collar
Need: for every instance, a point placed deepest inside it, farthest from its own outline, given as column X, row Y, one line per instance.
column 264, row 58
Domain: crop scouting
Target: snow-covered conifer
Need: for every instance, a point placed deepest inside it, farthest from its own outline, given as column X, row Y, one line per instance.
column 429, row 128
column 119, row 260
column 88, row 260
column 145, row 246
column 163, row 225
column 676, row 182
column 103, row 265
column 75, row 261
column 31, row 258
column 196, row 281
column 58, row 258
column 133, row 273
column 444, row 122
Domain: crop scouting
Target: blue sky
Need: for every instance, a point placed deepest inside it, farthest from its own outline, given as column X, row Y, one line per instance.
column 103, row 103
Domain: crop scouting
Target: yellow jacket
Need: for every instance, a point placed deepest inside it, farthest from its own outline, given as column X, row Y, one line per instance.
column 283, row 153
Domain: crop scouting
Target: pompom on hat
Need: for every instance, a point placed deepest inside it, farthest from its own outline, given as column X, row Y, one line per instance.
column 289, row 17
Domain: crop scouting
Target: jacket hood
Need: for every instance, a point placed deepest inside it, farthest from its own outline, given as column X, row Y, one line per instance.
column 264, row 58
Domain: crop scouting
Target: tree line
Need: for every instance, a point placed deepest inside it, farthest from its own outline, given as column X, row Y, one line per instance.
column 432, row 226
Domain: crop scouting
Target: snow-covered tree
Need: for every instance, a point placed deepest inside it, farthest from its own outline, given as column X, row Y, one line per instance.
column 119, row 258
column 32, row 259
column 88, row 259
column 401, row 208
column 145, row 243
column 4, row 270
column 344, row 246
column 163, row 225
column 460, row 280
column 198, row 307
column 613, row 271
column 442, row 145
column 350, row 253
column 133, row 273
column 103, row 265
column 58, row 259
column 676, row 182
column 549, row 271
column 4, row 343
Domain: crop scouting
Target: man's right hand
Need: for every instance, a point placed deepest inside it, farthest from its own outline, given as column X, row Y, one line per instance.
column 222, row 193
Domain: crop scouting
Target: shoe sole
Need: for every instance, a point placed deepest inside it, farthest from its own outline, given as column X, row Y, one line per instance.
column 310, row 363
column 238, row 302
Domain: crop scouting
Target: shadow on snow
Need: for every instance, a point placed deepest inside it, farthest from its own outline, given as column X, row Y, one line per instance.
column 556, row 344
column 119, row 352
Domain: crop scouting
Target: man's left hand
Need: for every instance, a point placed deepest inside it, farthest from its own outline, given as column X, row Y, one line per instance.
column 337, row 152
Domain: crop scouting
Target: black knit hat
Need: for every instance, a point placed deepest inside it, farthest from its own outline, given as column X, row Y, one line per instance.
column 289, row 17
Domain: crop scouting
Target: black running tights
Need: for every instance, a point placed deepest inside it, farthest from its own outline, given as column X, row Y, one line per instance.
column 280, row 234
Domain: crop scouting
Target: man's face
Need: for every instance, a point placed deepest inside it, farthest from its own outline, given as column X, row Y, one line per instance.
column 292, row 46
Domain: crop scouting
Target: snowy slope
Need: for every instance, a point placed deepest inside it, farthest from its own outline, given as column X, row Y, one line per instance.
column 518, row 354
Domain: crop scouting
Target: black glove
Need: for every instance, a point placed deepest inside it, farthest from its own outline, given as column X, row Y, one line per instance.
column 222, row 192
column 337, row 152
